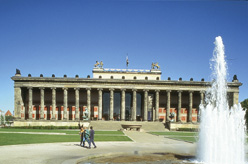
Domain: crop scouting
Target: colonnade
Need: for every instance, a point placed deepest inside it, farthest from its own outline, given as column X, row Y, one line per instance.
column 64, row 113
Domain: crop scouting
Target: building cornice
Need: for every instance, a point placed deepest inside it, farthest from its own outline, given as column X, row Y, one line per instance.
column 116, row 81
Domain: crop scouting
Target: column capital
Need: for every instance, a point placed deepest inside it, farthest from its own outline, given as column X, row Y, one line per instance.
column 65, row 89
column 191, row 91
column 111, row 89
column 76, row 89
column 30, row 88
column 168, row 91
column 123, row 89
column 88, row 89
column 179, row 91
column 41, row 88
column 99, row 89
column 134, row 90
column 53, row 88
column 146, row 90
column 203, row 91
column 157, row 90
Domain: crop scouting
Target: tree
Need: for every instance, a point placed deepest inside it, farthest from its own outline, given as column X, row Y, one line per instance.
column 2, row 119
column 244, row 105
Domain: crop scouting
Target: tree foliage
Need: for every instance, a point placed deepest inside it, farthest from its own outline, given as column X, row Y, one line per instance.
column 244, row 104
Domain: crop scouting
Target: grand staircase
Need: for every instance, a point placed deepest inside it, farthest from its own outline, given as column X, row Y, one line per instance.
column 116, row 125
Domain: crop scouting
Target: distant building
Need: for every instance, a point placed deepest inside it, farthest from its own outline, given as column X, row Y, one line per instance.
column 8, row 113
column 112, row 94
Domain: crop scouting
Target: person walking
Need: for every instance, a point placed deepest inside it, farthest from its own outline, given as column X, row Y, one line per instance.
column 86, row 135
column 81, row 133
column 92, row 133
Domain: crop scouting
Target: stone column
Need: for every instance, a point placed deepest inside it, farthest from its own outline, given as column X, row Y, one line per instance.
column 18, row 102
column 42, row 103
column 190, row 105
column 179, row 106
column 65, row 103
column 168, row 106
column 30, row 102
column 134, row 109
column 235, row 98
column 202, row 97
column 157, row 106
column 145, row 104
column 100, row 104
column 89, row 101
column 77, row 103
column 54, row 103
column 111, row 111
column 123, row 104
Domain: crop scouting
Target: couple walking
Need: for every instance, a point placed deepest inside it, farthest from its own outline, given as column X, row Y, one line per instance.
column 88, row 136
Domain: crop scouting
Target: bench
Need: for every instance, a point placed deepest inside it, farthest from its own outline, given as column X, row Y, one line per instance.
column 131, row 127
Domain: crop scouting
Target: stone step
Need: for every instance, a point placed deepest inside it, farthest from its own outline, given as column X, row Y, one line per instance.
column 116, row 125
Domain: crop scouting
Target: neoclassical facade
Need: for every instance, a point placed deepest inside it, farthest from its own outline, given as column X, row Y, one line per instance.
column 112, row 94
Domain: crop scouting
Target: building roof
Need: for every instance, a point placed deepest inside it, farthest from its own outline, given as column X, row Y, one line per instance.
column 8, row 113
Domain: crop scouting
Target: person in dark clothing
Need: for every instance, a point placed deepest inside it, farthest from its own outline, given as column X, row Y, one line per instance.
column 92, row 133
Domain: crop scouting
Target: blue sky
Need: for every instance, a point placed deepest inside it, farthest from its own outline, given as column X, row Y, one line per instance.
column 67, row 37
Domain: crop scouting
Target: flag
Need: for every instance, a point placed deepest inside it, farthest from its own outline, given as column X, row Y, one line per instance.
column 127, row 62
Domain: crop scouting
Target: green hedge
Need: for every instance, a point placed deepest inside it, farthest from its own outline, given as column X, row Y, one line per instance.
column 43, row 127
column 188, row 129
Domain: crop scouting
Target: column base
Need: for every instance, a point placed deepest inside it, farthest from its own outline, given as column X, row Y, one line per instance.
column 17, row 118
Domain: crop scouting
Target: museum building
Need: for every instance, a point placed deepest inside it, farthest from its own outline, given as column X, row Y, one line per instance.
column 112, row 94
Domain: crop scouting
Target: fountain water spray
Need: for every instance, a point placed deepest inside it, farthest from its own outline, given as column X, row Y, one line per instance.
column 222, row 130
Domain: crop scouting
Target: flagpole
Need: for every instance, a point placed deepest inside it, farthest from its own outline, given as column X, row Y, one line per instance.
column 127, row 62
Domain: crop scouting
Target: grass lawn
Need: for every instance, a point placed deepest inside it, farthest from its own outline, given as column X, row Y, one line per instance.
column 76, row 132
column 13, row 138
column 184, row 136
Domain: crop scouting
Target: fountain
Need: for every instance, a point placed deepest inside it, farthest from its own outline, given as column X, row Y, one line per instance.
column 222, row 130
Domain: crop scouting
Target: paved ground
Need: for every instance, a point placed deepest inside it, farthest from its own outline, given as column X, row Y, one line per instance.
column 69, row 153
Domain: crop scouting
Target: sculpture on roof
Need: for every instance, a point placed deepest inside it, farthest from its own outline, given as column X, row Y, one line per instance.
column 99, row 65
column 18, row 71
column 155, row 65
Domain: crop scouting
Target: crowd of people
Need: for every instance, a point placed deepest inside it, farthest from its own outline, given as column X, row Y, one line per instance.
column 87, row 135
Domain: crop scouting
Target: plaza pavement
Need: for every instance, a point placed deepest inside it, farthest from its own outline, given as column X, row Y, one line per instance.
column 70, row 153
